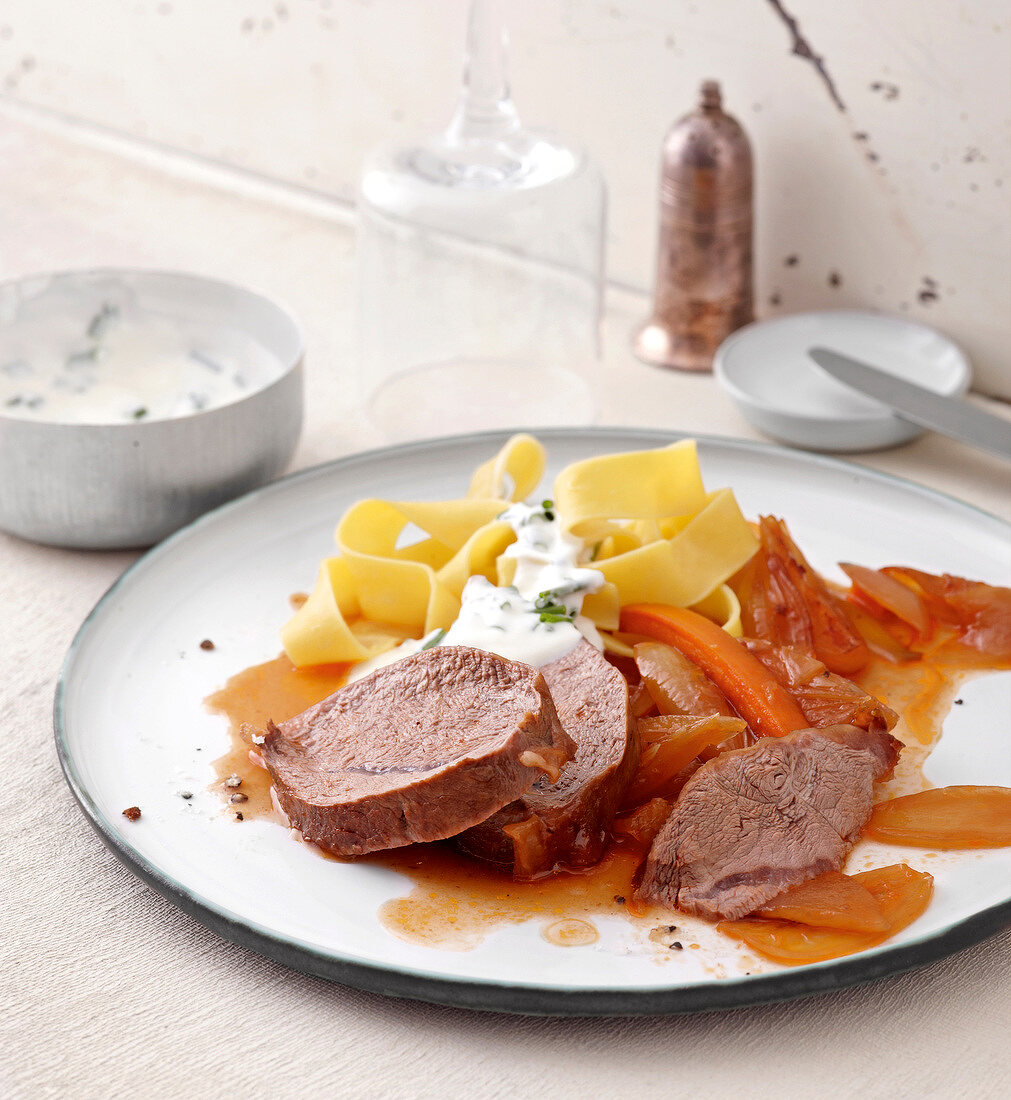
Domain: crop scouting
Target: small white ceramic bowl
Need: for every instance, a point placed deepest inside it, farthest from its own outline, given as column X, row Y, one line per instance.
column 128, row 469
column 783, row 393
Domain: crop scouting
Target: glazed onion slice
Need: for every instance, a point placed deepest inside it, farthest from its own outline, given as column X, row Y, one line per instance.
column 670, row 745
column 831, row 900
column 677, row 685
column 644, row 822
column 901, row 893
column 945, row 817
column 891, row 594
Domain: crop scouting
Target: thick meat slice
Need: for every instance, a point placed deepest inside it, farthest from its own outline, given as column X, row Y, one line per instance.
column 417, row 751
column 752, row 822
column 566, row 823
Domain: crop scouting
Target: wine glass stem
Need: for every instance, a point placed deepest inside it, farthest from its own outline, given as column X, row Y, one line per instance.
column 485, row 110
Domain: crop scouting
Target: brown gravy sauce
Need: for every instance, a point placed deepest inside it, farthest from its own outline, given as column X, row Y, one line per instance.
column 275, row 690
column 457, row 901
column 921, row 695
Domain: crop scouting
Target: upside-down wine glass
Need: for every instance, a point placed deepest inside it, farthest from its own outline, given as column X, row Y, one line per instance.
column 480, row 267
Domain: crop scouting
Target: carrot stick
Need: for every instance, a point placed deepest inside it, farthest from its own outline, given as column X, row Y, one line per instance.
column 759, row 698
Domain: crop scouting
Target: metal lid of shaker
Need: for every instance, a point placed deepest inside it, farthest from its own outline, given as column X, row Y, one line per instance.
column 706, row 153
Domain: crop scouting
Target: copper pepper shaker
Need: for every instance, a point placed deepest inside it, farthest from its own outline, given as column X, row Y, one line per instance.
column 704, row 257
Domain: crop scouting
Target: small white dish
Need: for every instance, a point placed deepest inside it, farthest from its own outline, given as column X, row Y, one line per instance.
column 133, row 401
column 784, row 394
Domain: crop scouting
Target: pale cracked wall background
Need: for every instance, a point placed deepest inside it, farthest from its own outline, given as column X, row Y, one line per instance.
column 882, row 130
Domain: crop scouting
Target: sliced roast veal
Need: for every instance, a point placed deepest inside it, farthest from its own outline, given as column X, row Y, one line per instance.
column 752, row 822
column 567, row 823
column 417, row 751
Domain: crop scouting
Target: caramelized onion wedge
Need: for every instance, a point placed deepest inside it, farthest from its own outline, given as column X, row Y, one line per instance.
column 655, row 777
column 946, row 817
column 640, row 702
column 680, row 728
column 551, row 768
column 670, row 744
column 879, row 639
column 529, row 839
column 795, row 585
column 677, row 685
column 792, row 944
column 832, row 900
column 901, row 893
column 981, row 612
column 644, row 823
column 890, row 594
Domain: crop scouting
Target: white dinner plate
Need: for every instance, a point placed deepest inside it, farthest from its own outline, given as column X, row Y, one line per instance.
column 131, row 730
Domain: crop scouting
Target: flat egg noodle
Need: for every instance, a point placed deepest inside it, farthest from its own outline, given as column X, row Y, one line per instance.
column 418, row 586
column 683, row 570
column 645, row 531
column 658, row 536
column 402, row 565
column 480, row 555
column 513, row 474
column 723, row 607
column 449, row 522
column 635, row 485
column 385, row 585
column 319, row 633
column 603, row 607
column 619, row 541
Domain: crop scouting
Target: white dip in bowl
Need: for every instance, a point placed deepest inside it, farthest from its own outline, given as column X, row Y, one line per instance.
column 133, row 401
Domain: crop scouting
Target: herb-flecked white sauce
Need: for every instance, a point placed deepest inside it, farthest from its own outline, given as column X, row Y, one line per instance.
column 115, row 364
column 536, row 619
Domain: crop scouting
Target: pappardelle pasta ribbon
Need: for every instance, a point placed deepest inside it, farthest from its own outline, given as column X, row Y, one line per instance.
column 649, row 524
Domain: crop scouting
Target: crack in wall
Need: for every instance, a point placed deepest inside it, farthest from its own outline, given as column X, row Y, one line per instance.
column 802, row 48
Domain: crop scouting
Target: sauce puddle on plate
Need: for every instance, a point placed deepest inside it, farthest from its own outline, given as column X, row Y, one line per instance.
column 456, row 901
column 922, row 695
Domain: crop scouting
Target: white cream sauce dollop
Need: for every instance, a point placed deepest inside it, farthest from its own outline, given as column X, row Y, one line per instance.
column 536, row 619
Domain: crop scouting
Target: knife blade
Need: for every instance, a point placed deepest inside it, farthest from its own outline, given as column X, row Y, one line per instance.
column 947, row 415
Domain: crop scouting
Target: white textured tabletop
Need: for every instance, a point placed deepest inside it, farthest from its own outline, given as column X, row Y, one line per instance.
column 111, row 991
